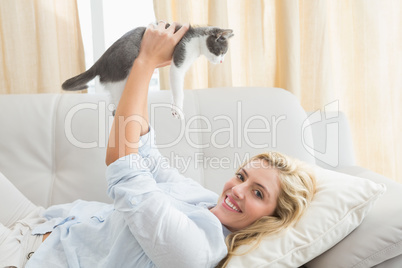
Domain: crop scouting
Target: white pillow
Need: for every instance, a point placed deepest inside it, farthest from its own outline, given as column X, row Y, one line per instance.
column 378, row 238
column 339, row 206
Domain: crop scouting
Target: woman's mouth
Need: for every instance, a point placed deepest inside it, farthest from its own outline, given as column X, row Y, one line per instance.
column 231, row 204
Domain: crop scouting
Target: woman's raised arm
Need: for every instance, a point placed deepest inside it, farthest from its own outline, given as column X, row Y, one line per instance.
column 131, row 118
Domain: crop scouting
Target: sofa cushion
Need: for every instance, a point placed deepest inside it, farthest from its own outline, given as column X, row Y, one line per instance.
column 26, row 143
column 339, row 206
column 237, row 123
column 378, row 238
column 391, row 263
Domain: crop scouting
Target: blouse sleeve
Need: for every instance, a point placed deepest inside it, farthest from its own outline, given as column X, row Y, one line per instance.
column 172, row 234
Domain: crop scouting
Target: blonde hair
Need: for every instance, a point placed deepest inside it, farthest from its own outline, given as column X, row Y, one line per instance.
column 297, row 190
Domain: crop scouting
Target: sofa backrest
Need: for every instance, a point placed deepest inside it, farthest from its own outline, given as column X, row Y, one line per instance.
column 53, row 146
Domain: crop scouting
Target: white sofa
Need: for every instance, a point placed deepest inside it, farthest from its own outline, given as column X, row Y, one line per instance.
column 52, row 146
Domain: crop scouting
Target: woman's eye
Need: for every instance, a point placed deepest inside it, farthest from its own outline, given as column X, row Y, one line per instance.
column 258, row 194
column 240, row 176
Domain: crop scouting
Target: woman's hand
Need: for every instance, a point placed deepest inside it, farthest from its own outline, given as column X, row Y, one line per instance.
column 158, row 44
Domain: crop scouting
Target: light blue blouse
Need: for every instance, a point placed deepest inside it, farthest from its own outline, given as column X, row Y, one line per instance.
column 159, row 219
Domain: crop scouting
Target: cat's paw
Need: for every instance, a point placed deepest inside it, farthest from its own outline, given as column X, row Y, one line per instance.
column 176, row 112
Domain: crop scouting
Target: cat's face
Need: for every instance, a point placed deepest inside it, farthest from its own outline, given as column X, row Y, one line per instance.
column 218, row 44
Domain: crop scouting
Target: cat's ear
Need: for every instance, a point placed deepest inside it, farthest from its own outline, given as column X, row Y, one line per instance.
column 224, row 34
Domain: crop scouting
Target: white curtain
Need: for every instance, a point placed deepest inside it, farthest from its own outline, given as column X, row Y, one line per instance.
column 40, row 45
column 322, row 51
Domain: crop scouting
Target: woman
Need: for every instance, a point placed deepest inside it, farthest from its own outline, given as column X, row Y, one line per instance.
column 158, row 218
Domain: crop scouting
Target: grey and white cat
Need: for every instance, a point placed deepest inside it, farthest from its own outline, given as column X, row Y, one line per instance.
column 113, row 67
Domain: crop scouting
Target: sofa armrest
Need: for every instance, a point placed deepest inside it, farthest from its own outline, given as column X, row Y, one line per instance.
column 333, row 144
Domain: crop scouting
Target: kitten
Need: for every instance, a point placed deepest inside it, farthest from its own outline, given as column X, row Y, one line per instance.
column 114, row 65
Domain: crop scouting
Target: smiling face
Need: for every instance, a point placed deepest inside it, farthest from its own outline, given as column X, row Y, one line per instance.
column 251, row 194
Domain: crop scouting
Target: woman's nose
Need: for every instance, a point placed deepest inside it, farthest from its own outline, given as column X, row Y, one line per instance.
column 238, row 191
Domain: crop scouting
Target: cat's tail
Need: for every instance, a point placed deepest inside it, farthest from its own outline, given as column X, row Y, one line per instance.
column 80, row 81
